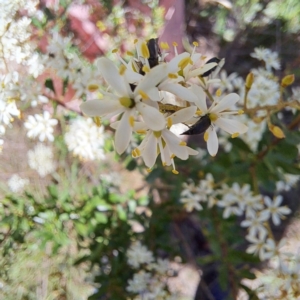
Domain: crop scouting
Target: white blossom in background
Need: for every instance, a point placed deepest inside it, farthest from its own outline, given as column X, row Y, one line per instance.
column 17, row 184
column 41, row 126
column 138, row 254
column 85, row 139
column 41, row 159
column 258, row 245
column 270, row 58
column 288, row 182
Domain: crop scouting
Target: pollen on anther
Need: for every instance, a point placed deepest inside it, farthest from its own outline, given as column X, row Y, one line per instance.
column 93, row 87
column 206, row 134
column 164, row 163
column 142, row 131
column 164, row 46
column 195, row 44
column 148, row 170
column 174, row 44
column 145, row 50
column 218, row 92
column 135, row 41
column 172, row 76
column 199, row 112
column 143, row 95
column 234, row 135
column 131, row 121
column 240, row 112
column 169, row 122
column 175, row 172
column 122, row 70
column 182, row 143
column 145, row 69
column 172, row 156
column 114, row 50
column 129, row 53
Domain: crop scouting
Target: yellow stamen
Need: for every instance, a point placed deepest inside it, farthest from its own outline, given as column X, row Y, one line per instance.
column 164, row 46
column 131, row 121
column 143, row 95
column 184, row 62
column 234, row 135
column 129, row 53
column 213, row 117
column 144, row 50
column 218, row 93
column 240, row 112
column 174, row 44
column 141, row 131
column 146, row 69
column 136, row 152
column 206, row 134
column 148, row 170
column 195, row 44
column 157, row 134
column 172, row 156
column 126, row 102
column 182, row 143
column 169, row 122
column 199, row 112
column 97, row 121
column 135, row 41
column 133, row 153
column 114, row 50
column 93, row 87
column 122, row 70
column 172, row 75
column 175, row 172
column 164, row 163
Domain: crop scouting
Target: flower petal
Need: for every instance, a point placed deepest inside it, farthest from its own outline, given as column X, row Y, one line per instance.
column 173, row 63
column 225, row 103
column 173, row 143
column 202, row 70
column 212, row 142
column 231, row 126
column 150, row 153
column 183, row 114
column 201, row 97
column 178, row 90
column 111, row 74
column 152, row 117
column 123, row 133
column 94, row 108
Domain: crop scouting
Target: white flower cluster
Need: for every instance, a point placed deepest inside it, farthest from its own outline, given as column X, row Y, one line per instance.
column 137, row 92
column 41, row 159
column 17, row 184
column 150, row 282
column 236, row 200
column 41, row 126
column 85, row 139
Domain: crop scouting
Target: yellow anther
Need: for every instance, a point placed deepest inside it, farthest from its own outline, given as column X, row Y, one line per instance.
column 136, row 152
column 172, row 156
column 97, row 121
column 144, row 50
column 169, row 122
column 133, row 153
column 157, row 134
column 175, row 172
column 172, row 75
column 240, row 112
column 199, row 112
column 146, row 69
column 142, row 131
column 93, row 87
column 129, row 53
column 100, row 25
column 135, row 41
column 164, row 46
column 148, row 170
column 195, row 44
column 218, row 92
column 234, row 135
column 126, row 102
column 114, row 50
column 213, row 117
column 184, row 62
column 174, row 44
column 206, row 134
column 182, row 143
column 122, row 70
column 131, row 121
column 143, row 95
column 164, row 163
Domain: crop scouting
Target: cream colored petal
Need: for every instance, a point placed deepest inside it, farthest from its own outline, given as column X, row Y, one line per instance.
column 201, row 97
column 212, row 142
column 192, row 151
column 151, row 116
column 123, row 133
column 150, row 153
column 111, row 74
column 231, row 126
column 178, row 90
column 173, row 143
column 153, row 94
column 94, row 108
column 173, row 63
column 225, row 103
column 183, row 115
column 203, row 69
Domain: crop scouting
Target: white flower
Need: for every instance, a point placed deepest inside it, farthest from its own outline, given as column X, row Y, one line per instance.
column 270, row 58
column 190, row 201
column 139, row 282
column 41, row 126
column 167, row 142
column 16, row 183
column 8, row 109
column 85, row 139
column 127, row 102
column 255, row 223
column 258, row 245
column 41, row 160
column 138, row 254
column 275, row 210
column 216, row 113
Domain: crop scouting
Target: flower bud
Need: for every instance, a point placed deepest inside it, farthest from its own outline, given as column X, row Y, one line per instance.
column 277, row 132
column 249, row 81
column 287, row 80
